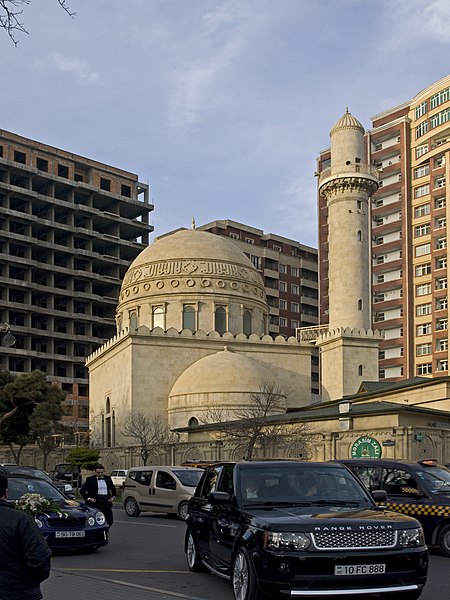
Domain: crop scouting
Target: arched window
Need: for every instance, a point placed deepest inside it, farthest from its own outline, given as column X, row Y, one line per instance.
column 189, row 317
column 158, row 317
column 247, row 322
column 360, row 304
column 220, row 324
column 360, row 235
column 107, row 406
column 133, row 321
column 193, row 422
column 360, row 370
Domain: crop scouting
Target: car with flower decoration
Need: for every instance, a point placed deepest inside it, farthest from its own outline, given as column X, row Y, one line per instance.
column 65, row 523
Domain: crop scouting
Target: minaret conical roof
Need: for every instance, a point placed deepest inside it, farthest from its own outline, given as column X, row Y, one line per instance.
column 348, row 121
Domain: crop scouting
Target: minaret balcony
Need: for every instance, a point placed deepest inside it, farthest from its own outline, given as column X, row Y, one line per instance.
column 352, row 170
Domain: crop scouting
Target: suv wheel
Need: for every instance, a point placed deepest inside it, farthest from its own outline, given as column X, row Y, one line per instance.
column 183, row 511
column 193, row 557
column 243, row 577
column 444, row 540
column 131, row 507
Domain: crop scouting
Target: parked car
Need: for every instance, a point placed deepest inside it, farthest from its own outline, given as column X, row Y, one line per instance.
column 301, row 529
column 68, row 472
column 65, row 488
column 159, row 489
column 420, row 489
column 118, row 477
column 76, row 526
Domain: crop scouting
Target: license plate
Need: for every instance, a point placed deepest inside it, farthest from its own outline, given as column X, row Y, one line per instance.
column 69, row 534
column 359, row 569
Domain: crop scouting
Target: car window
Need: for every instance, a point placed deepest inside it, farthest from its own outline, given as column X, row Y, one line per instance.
column 436, row 480
column 398, row 482
column 226, row 481
column 165, row 480
column 142, row 477
column 114, row 473
column 18, row 487
column 209, row 481
column 189, row 477
column 368, row 475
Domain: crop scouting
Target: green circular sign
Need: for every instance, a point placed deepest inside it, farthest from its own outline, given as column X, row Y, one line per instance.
column 366, row 447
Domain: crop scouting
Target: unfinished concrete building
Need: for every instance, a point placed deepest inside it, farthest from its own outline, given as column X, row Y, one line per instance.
column 69, row 229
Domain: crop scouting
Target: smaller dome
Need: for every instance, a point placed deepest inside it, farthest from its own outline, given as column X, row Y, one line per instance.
column 348, row 121
column 222, row 372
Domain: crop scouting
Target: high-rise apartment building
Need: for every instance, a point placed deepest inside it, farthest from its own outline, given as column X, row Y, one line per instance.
column 409, row 145
column 290, row 274
column 69, row 229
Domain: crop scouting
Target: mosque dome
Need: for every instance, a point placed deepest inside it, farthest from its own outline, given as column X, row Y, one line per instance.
column 224, row 379
column 195, row 271
column 347, row 121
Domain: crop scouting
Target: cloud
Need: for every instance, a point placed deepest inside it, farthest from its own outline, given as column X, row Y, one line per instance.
column 71, row 66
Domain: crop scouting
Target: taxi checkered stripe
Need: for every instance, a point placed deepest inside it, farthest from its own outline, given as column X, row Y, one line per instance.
column 420, row 509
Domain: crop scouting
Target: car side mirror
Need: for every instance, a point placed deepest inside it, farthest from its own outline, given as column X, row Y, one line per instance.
column 219, row 497
column 379, row 496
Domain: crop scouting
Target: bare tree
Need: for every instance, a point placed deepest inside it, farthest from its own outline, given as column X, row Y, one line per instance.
column 149, row 433
column 251, row 426
column 11, row 19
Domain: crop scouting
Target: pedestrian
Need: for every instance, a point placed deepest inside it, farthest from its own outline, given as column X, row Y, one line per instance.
column 99, row 491
column 25, row 555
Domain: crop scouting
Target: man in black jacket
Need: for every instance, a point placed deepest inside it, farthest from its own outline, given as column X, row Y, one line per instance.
column 100, row 491
column 24, row 552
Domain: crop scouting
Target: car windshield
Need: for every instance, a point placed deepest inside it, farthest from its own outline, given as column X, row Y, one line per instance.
column 18, row 486
column 301, row 485
column 435, row 480
column 189, row 477
column 33, row 471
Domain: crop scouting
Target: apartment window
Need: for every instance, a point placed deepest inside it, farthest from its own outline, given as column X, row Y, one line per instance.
column 380, row 259
column 441, row 304
column 249, row 240
column 380, row 278
column 442, row 365
column 439, row 162
column 421, row 150
column 276, row 248
column 294, row 271
column 282, row 322
column 424, row 329
column 63, row 171
column 379, row 240
column 441, row 324
column 423, row 289
column 440, row 222
column 282, row 286
column 20, row 157
column 256, row 260
column 379, row 202
column 295, row 307
column 422, row 210
column 441, row 117
column 422, row 349
column 189, row 317
column 440, row 202
column 282, row 268
column 381, row 354
column 442, row 345
column 421, row 129
column 439, row 182
column 378, row 298
column 424, row 269
column 425, row 369
column 421, row 190
column 247, row 322
column 381, row 374
column 423, row 309
column 440, row 98
column 378, row 221
column 378, row 317
column 422, row 230
column 234, row 236
column 441, row 283
column 295, row 324
column 105, row 184
column 282, row 304
column 42, row 164
column 422, row 171
column 421, row 109
column 423, row 249
column 441, row 263
column 441, row 243
column 295, row 290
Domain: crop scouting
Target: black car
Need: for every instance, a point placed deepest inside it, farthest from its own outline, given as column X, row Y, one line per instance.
column 300, row 529
column 420, row 489
column 70, row 525
column 64, row 487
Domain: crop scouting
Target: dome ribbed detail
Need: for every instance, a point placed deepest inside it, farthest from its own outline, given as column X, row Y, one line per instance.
column 348, row 121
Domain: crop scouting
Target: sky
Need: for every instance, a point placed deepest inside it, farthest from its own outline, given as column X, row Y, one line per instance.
column 221, row 106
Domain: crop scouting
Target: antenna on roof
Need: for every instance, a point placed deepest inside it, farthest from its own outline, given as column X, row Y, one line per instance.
column 193, row 223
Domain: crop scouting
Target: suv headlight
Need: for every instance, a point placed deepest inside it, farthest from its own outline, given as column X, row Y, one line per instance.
column 284, row 540
column 411, row 538
column 100, row 518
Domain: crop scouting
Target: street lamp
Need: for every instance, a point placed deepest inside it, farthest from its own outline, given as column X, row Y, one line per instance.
column 7, row 338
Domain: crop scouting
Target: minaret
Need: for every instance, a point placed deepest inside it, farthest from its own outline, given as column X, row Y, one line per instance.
column 349, row 350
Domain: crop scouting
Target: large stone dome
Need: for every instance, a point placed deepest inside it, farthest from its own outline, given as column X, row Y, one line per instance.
column 224, row 379
column 197, row 271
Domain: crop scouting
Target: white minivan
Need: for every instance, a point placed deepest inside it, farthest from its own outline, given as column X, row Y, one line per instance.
column 159, row 489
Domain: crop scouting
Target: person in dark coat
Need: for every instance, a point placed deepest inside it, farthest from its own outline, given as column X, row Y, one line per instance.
column 99, row 491
column 25, row 555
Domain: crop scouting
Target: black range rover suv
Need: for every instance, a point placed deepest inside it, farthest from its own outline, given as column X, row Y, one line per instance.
column 280, row 529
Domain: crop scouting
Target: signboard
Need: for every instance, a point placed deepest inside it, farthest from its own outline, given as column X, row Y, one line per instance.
column 366, row 447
